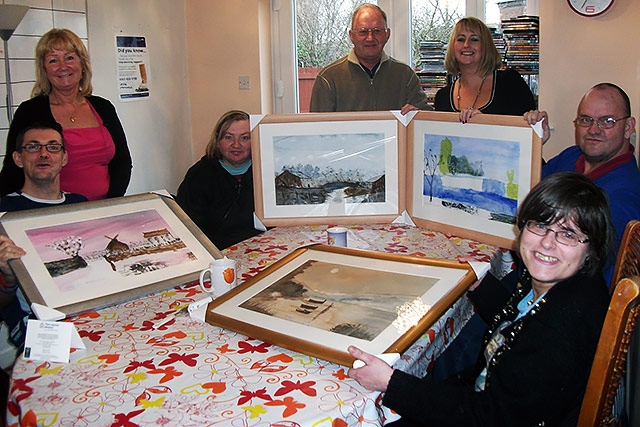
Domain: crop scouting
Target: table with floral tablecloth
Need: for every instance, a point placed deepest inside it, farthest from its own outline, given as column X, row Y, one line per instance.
column 189, row 373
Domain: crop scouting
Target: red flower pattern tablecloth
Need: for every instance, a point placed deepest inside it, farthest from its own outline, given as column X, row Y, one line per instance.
column 189, row 373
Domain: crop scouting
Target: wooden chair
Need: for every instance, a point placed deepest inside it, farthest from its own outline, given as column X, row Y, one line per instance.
column 611, row 355
column 628, row 261
column 610, row 362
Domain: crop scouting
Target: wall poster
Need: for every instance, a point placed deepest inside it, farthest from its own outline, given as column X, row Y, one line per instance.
column 133, row 67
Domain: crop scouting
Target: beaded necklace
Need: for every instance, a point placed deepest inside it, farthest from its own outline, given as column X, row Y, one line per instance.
column 510, row 313
column 477, row 94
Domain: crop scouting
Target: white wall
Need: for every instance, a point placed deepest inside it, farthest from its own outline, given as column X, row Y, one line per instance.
column 226, row 39
column 158, row 129
column 578, row 52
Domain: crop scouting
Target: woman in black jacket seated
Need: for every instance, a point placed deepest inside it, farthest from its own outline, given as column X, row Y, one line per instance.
column 217, row 192
column 542, row 335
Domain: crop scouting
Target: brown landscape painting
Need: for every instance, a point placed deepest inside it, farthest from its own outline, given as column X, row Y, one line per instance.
column 353, row 301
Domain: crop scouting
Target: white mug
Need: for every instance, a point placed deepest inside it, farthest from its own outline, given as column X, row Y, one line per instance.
column 337, row 236
column 222, row 276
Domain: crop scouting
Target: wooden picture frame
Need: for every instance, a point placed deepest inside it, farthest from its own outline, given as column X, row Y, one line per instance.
column 89, row 255
column 492, row 164
column 320, row 299
column 304, row 167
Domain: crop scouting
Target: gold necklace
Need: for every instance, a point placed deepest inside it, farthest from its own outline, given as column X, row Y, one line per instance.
column 477, row 94
column 73, row 116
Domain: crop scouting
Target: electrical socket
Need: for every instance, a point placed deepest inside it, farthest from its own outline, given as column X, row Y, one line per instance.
column 244, row 83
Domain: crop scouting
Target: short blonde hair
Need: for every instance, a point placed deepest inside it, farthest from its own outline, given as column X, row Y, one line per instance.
column 212, row 150
column 61, row 39
column 491, row 59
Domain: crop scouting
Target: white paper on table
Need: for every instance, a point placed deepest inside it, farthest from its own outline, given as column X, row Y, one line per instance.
column 48, row 341
column 76, row 341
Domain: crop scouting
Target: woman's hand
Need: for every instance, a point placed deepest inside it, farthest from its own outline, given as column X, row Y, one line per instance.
column 534, row 116
column 466, row 114
column 374, row 375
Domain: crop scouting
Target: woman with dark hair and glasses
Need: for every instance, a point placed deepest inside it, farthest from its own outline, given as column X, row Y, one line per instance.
column 217, row 192
column 544, row 323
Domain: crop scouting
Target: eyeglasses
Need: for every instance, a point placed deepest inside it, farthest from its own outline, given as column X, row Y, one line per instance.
column 375, row 32
column 564, row 237
column 602, row 122
column 32, row 147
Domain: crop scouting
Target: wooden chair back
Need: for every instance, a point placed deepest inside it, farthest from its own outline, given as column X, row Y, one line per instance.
column 611, row 355
column 628, row 260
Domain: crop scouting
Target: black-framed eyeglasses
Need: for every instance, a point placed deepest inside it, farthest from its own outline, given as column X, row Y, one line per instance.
column 602, row 122
column 32, row 147
column 375, row 32
column 564, row 237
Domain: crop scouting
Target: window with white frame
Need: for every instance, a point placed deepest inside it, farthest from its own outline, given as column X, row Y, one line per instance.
column 310, row 34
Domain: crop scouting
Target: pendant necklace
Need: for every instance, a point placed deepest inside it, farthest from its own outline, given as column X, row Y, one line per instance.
column 477, row 94
column 72, row 117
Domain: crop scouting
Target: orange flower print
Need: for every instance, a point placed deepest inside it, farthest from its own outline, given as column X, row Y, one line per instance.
column 229, row 275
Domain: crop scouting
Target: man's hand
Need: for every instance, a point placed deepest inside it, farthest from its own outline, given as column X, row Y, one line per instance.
column 8, row 250
column 406, row 108
column 534, row 116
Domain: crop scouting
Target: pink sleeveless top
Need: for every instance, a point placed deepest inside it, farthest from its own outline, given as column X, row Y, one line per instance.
column 89, row 150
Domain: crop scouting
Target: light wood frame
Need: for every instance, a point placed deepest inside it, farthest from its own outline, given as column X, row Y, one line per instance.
column 342, row 139
column 505, row 144
column 264, row 307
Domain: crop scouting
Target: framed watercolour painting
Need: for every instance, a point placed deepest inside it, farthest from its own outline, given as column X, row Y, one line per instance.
column 320, row 299
column 328, row 168
column 468, row 179
column 89, row 255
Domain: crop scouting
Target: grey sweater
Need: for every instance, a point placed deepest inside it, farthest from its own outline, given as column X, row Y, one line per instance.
column 345, row 86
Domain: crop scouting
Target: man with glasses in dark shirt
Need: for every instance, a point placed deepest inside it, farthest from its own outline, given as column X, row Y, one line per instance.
column 41, row 155
column 367, row 79
column 602, row 151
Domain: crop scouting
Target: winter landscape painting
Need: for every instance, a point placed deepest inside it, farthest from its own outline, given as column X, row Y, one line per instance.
column 327, row 169
column 84, row 253
column 472, row 176
column 105, row 251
